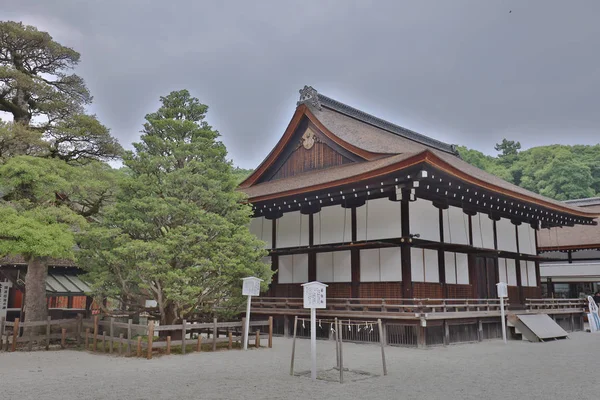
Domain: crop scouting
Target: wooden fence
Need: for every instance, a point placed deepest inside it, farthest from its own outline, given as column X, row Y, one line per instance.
column 112, row 336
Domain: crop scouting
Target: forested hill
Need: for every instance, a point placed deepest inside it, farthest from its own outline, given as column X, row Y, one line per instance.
column 556, row 171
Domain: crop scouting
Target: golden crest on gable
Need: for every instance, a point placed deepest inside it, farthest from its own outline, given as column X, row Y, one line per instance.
column 308, row 139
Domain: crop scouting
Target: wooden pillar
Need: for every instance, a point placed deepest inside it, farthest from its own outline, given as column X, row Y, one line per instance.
column 274, row 259
column 354, row 257
column 407, row 289
column 495, row 234
column 569, row 253
column 470, row 230
column 442, row 257
column 312, row 257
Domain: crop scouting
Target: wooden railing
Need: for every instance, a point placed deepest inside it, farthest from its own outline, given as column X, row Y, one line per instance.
column 556, row 304
column 363, row 305
column 99, row 334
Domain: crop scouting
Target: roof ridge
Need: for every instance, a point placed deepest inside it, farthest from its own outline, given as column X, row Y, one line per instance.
column 587, row 201
column 310, row 96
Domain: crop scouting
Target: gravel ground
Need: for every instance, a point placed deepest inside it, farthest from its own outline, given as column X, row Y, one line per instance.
column 565, row 369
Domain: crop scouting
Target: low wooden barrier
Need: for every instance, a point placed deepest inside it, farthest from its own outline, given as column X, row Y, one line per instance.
column 101, row 335
column 364, row 307
column 556, row 304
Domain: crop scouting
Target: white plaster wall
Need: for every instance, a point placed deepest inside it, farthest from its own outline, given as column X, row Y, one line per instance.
column 526, row 239
column 450, row 263
column 457, row 268
column 456, row 226
column 424, row 220
column 432, row 272
column 511, row 270
column 369, row 265
column 416, row 265
column 390, row 264
column 531, row 275
column 334, row 267
column 329, row 225
column 483, row 231
column 502, row 273
column 262, row 228
column 507, row 238
column 292, row 230
column 293, row 268
column 462, row 269
column 378, row 219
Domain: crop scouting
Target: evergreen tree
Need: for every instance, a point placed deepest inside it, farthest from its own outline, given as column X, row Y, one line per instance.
column 178, row 232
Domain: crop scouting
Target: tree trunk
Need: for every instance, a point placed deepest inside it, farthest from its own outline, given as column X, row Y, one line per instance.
column 169, row 317
column 36, row 305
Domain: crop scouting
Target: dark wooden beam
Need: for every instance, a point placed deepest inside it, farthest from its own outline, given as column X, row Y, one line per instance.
column 354, row 257
column 407, row 289
column 441, row 256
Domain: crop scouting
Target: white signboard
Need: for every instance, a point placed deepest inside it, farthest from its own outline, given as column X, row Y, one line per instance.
column 502, row 289
column 4, row 288
column 315, row 295
column 593, row 316
column 251, row 286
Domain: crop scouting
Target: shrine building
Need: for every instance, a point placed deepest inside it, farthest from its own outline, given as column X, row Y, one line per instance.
column 383, row 213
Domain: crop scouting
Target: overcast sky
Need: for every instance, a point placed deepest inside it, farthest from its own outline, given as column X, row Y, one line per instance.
column 465, row 72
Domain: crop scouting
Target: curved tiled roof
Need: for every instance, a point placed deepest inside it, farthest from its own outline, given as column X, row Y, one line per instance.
column 378, row 138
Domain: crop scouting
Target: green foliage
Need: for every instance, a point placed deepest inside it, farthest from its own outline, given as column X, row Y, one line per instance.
column 178, row 230
column 35, row 222
column 557, row 171
column 241, row 174
column 33, row 75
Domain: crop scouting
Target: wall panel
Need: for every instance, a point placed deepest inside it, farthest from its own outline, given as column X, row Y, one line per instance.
column 526, row 239
column 292, row 230
column 378, row 219
column 262, row 228
column 380, row 265
column 293, row 268
column 332, row 224
column 483, row 231
column 507, row 239
column 334, row 267
column 456, row 226
column 424, row 220
column 511, row 272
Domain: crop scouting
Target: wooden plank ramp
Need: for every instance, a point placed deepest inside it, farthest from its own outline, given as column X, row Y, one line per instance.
column 537, row 327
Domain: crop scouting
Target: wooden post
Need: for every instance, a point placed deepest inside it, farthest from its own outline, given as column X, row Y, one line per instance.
column 63, row 338
column 183, row 333
column 129, row 322
column 168, row 345
column 337, row 344
column 215, row 334
column 95, row 333
column 15, row 335
column 150, row 339
column 2, row 331
column 112, row 335
column 199, row 344
column 257, row 341
column 104, row 341
column 339, row 333
column 79, row 328
column 120, row 343
column 230, row 340
column 270, row 332
column 87, row 339
column 293, row 345
column 139, row 346
column 48, row 332
column 446, row 333
column 286, row 326
column 381, row 340
column 30, row 341
column 243, row 331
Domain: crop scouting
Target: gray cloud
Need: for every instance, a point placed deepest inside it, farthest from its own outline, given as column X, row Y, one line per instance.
column 466, row 72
